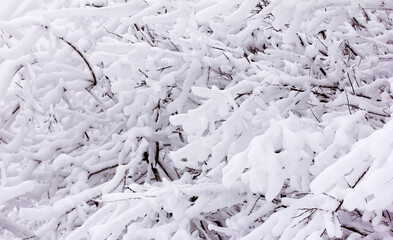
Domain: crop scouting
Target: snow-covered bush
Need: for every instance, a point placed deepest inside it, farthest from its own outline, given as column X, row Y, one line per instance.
column 203, row 119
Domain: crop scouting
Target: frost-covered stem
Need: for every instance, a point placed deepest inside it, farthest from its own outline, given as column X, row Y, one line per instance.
column 353, row 90
column 349, row 108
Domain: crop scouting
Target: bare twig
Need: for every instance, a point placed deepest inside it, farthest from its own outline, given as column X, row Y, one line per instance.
column 354, row 230
column 102, row 170
column 252, row 209
column 144, row 74
column 314, row 115
column 84, row 59
column 360, row 178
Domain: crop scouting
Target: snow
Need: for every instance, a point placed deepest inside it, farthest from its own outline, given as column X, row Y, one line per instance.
column 8, row 193
column 207, row 119
column 7, row 71
column 215, row 10
column 114, row 11
column 23, row 46
column 16, row 229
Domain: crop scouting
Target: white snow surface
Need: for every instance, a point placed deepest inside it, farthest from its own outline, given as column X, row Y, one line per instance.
column 202, row 119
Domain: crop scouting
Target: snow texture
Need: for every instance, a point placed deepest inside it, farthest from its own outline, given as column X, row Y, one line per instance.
column 203, row 119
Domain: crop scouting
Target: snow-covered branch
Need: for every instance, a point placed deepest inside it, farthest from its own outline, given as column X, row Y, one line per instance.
column 199, row 119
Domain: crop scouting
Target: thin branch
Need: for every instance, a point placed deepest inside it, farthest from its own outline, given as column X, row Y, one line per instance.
column 143, row 73
column 140, row 177
column 314, row 115
column 353, row 90
column 16, row 109
column 102, row 170
column 84, row 59
column 356, row 183
column 360, row 178
column 324, row 231
column 339, row 206
column 252, row 209
column 164, row 170
column 354, row 230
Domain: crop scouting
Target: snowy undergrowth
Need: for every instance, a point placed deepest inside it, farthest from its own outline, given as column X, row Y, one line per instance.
column 204, row 119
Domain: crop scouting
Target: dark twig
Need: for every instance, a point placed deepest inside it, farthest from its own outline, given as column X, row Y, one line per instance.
column 84, row 59
column 324, row 231
column 144, row 74
column 314, row 115
column 16, row 109
column 252, row 209
column 356, row 183
column 158, row 162
column 102, row 170
column 339, row 206
column 354, row 230
column 360, row 178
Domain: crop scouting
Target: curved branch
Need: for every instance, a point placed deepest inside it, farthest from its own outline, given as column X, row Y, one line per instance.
column 84, row 59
